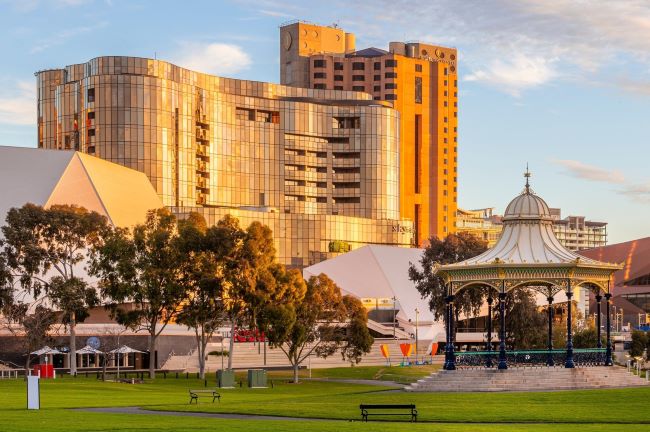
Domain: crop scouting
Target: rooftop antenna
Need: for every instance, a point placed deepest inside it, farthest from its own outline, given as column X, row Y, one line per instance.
column 527, row 175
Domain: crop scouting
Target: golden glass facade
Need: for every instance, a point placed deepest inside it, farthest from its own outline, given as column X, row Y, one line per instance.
column 273, row 152
column 420, row 81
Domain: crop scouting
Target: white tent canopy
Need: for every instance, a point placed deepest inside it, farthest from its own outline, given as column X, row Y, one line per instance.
column 381, row 272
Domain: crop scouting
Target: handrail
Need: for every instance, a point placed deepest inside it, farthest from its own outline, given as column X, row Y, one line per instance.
column 536, row 351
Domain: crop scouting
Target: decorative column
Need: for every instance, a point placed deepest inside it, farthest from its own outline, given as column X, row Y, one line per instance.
column 447, row 333
column 452, row 356
column 549, row 359
column 503, row 363
column 569, row 333
column 608, row 353
column 598, row 299
column 488, row 345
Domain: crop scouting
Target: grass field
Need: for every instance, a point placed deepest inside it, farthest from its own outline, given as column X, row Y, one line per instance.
column 594, row 410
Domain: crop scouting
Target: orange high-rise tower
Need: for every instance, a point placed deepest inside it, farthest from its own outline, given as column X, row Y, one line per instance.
column 421, row 81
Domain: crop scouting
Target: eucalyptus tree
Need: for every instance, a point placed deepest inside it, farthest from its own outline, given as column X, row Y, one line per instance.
column 143, row 268
column 44, row 251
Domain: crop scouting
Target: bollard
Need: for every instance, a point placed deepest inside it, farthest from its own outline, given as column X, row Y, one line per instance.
column 176, row 375
column 241, row 383
column 187, row 375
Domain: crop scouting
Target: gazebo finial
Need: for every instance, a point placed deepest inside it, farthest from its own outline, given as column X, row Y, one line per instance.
column 527, row 175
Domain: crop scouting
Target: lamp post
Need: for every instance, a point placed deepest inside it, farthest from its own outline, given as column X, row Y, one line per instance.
column 394, row 317
column 417, row 313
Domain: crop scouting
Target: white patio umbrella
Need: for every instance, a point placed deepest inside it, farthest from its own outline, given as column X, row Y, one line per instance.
column 89, row 350
column 46, row 350
column 124, row 349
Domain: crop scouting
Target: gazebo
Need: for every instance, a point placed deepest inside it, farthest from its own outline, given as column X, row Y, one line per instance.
column 527, row 255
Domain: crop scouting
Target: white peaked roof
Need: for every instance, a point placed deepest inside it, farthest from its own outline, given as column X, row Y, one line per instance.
column 48, row 177
column 377, row 272
column 527, row 236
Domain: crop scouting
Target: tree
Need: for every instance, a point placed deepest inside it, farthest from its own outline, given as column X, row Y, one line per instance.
column 358, row 340
column 203, row 276
column 526, row 324
column 639, row 343
column 319, row 322
column 587, row 338
column 454, row 248
column 144, row 269
column 44, row 248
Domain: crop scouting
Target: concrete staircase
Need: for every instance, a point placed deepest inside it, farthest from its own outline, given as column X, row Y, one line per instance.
column 526, row 379
column 251, row 355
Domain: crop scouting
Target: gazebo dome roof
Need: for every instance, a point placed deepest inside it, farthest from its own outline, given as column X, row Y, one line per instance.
column 527, row 205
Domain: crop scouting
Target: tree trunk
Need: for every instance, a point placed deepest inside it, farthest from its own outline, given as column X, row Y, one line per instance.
column 73, row 344
column 152, row 354
column 105, row 361
column 296, row 365
column 232, row 343
column 201, row 346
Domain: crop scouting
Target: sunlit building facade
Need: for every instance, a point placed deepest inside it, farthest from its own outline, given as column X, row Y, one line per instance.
column 420, row 81
column 480, row 222
column 321, row 167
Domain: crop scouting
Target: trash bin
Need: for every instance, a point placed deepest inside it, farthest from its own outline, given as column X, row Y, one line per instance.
column 256, row 378
column 226, row 378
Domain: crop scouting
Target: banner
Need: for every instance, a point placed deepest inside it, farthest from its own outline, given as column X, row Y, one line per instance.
column 384, row 350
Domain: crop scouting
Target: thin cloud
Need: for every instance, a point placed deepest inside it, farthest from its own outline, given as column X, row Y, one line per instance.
column 213, row 58
column 638, row 192
column 18, row 103
column 63, row 36
column 583, row 171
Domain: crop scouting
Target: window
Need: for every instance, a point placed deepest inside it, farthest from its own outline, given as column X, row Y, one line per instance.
column 91, row 133
column 390, row 63
column 444, row 83
column 377, row 77
column 445, row 72
column 358, row 78
column 91, row 95
column 444, row 119
column 445, row 93
column 388, row 86
column 320, row 86
column 320, row 63
column 338, row 87
column 391, row 97
column 418, row 90
column 418, row 68
column 390, row 74
column 338, row 77
column 91, row 115
column 244, row 114
column 445, row 103
column 377, row 66
column 347, row 122
column 91, row 149
column 338, row 66
column 358, row 66
column 455, row 83
column 444, row 140
column 320, row 75
column 358, row 88
column 376, row 88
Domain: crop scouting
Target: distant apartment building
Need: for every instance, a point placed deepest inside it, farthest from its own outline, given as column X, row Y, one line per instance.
column 480, row 222
column 420, row 81
column 320, row 167
column 574, row 232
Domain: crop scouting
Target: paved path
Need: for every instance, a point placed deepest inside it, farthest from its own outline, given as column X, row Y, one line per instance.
column 137, row 410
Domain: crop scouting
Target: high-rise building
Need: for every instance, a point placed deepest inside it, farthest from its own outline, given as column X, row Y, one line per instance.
column 573, row 232
column 420, row 81
column 320, row 167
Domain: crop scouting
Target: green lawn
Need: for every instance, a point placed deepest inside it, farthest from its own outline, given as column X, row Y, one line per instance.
column 597, row 410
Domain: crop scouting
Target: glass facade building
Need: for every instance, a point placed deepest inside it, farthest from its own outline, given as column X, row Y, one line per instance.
column 320, row 167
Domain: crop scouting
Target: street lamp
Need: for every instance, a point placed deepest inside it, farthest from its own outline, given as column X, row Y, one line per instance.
column 417, row 313
column 394, row 317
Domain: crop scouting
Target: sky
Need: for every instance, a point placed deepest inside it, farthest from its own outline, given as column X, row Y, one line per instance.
column 563, row 86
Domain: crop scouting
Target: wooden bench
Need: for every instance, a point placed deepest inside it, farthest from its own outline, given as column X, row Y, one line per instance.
column 388, row 407
column 195, row 394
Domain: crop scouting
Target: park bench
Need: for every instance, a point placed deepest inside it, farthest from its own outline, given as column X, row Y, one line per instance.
column 383, row 410
column 195, row 394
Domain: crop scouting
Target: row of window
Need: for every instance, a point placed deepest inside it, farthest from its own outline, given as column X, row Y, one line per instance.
column 356, row 65
column 323, row 75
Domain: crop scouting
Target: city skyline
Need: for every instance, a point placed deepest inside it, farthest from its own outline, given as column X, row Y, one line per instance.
column 542, row 89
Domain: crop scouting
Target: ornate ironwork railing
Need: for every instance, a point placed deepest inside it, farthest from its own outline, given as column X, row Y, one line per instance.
column 581, row 357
